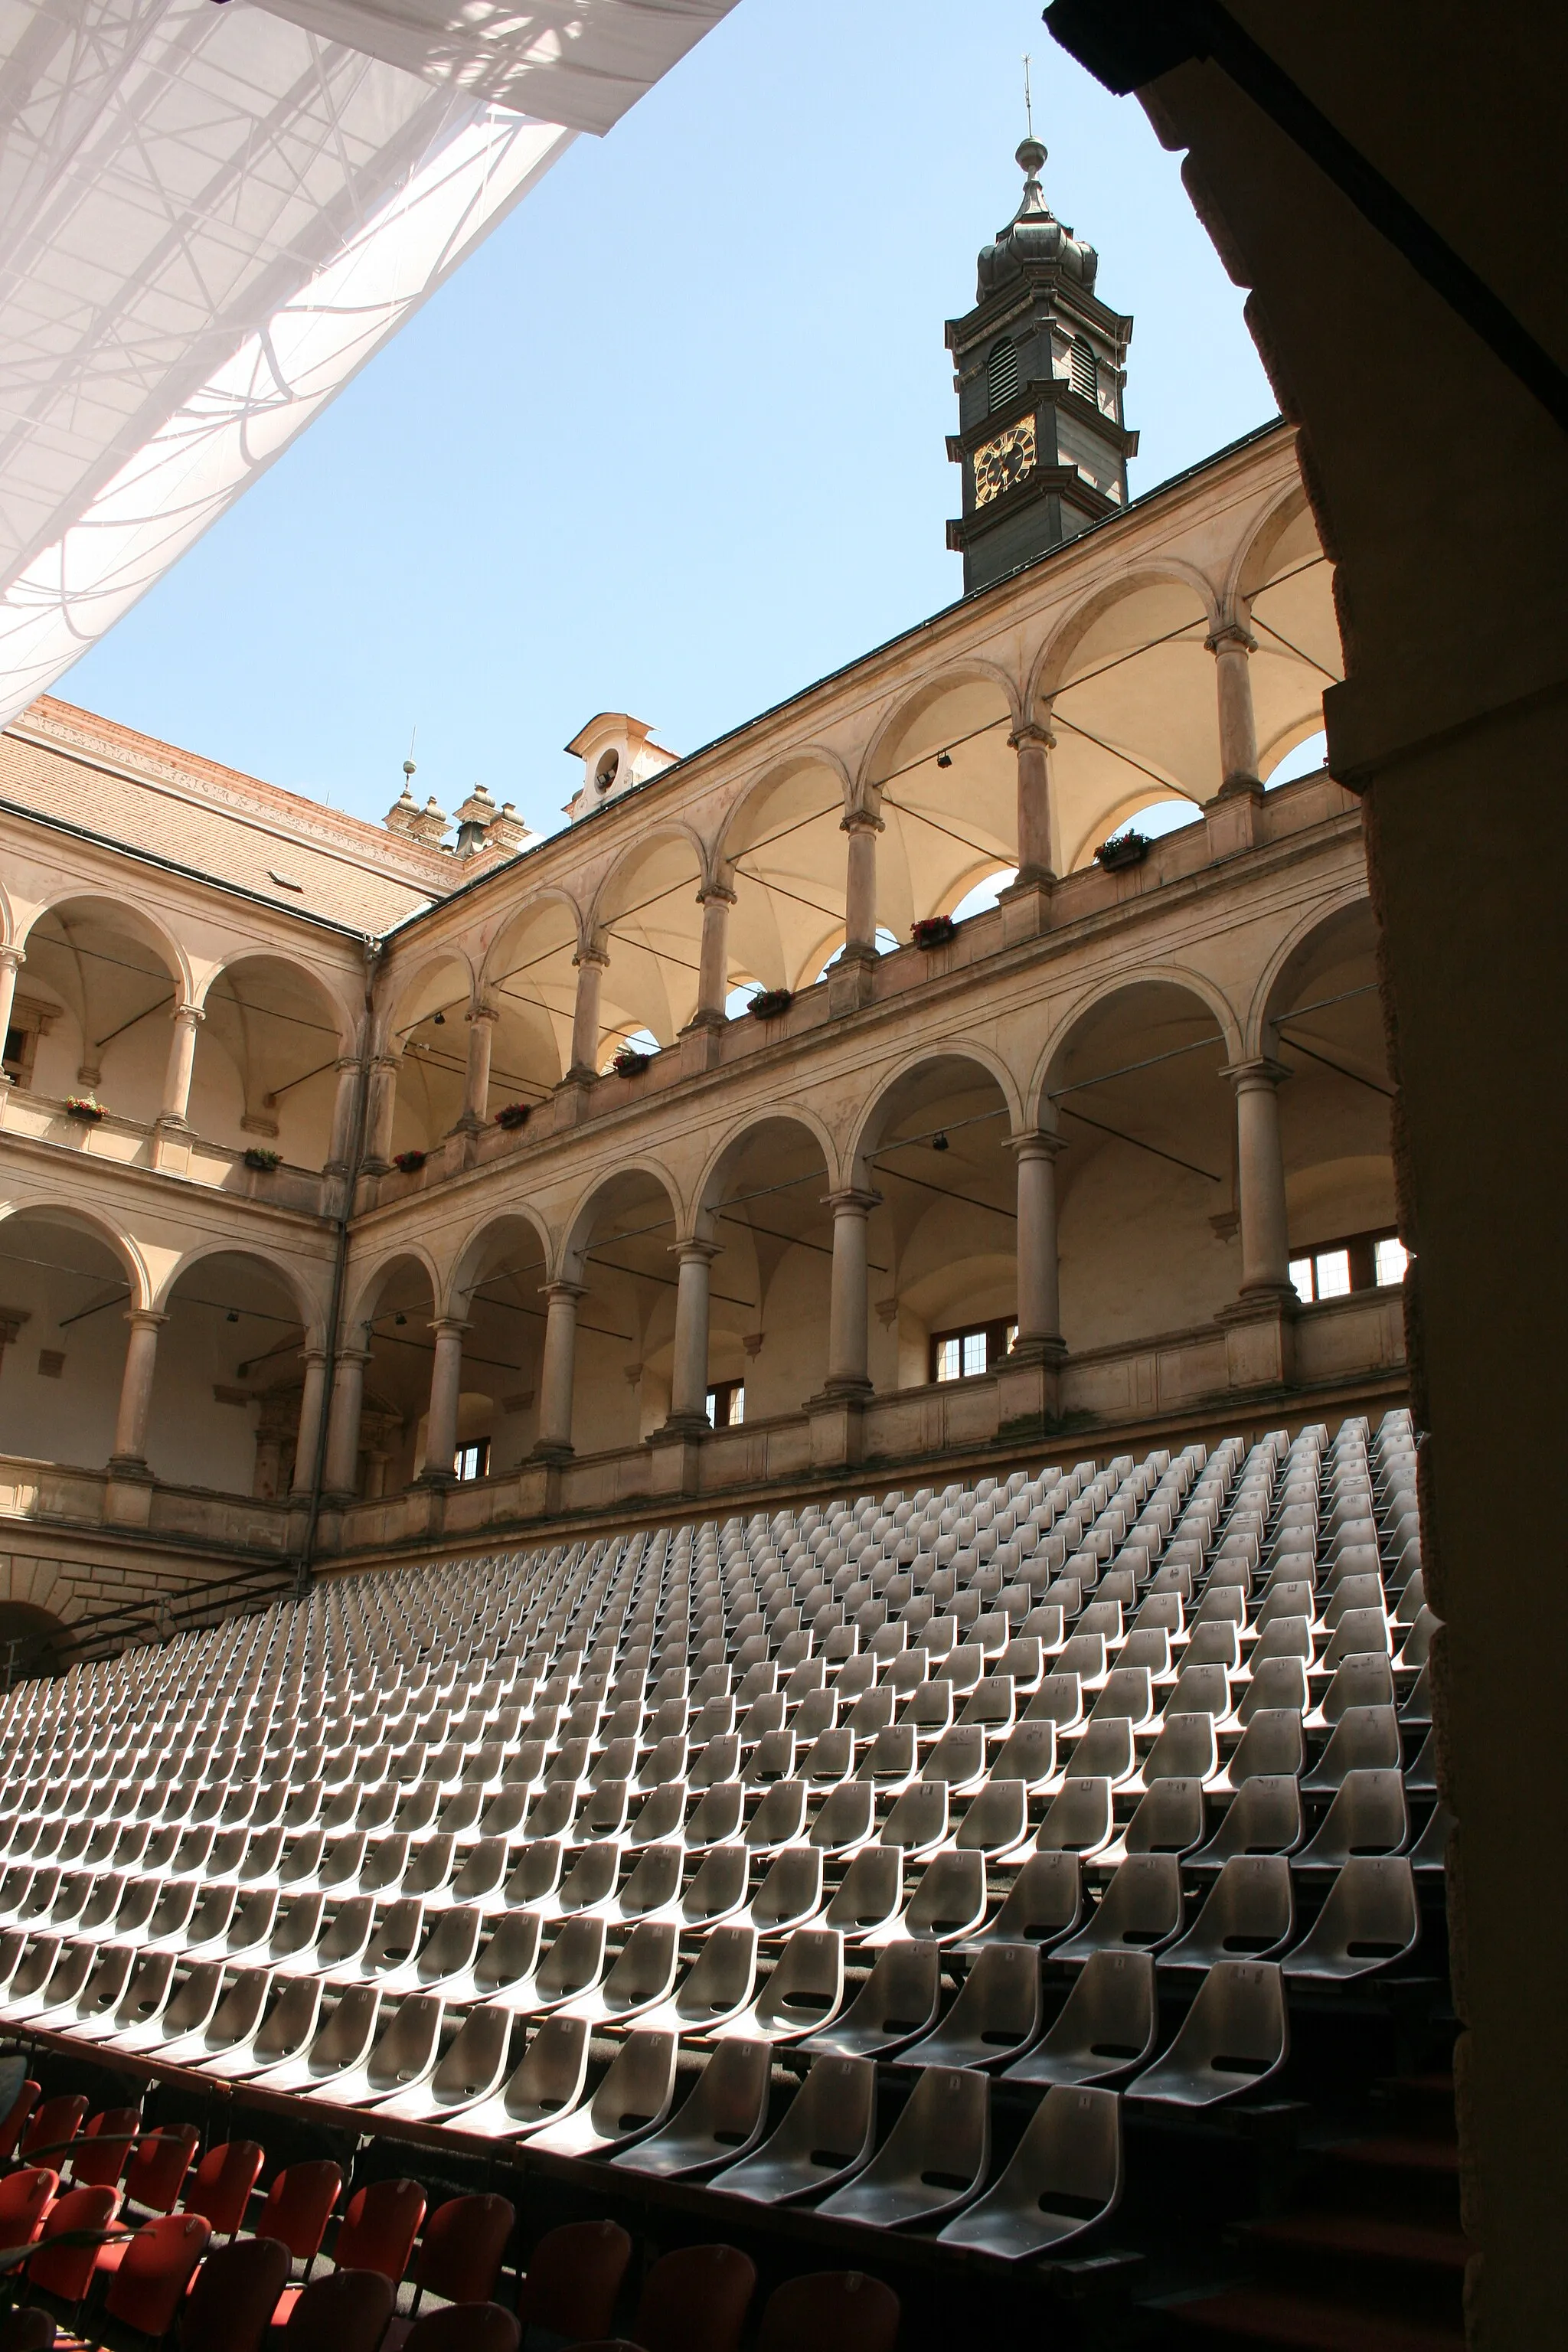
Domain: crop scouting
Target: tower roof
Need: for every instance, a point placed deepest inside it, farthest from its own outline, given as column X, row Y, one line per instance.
column 1034, row 236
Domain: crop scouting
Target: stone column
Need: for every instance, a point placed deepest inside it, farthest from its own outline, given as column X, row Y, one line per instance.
column 342, row 1143
column 1260, row 1181
column 446, row 1386
column 379, row 1111
column 860, row 887
column 313, row 1398
column 136, row 1390
column 1232, row 647
column 187, row 1019
column 848, row 1334
column 11, row 961
column 689, row 1378
column 1039, row 1338
column 1034, row 744
column 477, row 1080
column 591, row 965
column 341, row 1476
column 713, row 965
column 558, row 1371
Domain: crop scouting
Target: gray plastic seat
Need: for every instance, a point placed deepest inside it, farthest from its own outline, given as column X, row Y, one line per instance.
column 870, row 1894
column 590, row 1882
column 285, row 2032
column 1044, row 1903
column 1140, row 1910
column 717, row 1817
column 1105, row 2027
column 1168, row 1818
column 572, row 1964
column 995, row 2017
column 1365, row 1680
column 918, row 1819
column 102, row 1994
column 804, row 1990
column 188, row 2009
column 1368, row 1816
column 1431, row 1848
column 1064, row 2177
column 1263, row 1816
column 949, row 1903
column 1185, row 1750
column 504, row 1971
column 1364, row 1738
column 932, row 2161
column 1235, row 2034
column 1278, row 1684
column 721, row 2122
column 631, row 2102
column 1105, row 1751
column 653, row 1887
column 346, row 1942
column 826, row 2135
column 791, row 1894
column 642, row 1974
column 718, row 1889
column 403, row 2056
column 232, row 2026
column 1249, row 1913
column 339, row 2047
column 1029, row 1755
column 660, row 1817
column 469, row 2071
column 997, row 1821
column 718, row 1986
column 547, row 2083
column 1370, row 1919
column 1079, row 1819
column 898, row 2002
column 448, row 1953
column 847, row 1818
column 1271, row 1746
column 959, row 1758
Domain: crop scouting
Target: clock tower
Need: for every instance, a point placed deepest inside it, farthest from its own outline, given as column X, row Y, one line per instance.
column 1040, row 367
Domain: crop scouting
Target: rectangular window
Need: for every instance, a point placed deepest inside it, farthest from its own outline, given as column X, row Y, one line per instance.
column 1391, row 1258
column 473, row 1461
column 15, row 1052
column 1301, row 1275
column 727, row 1405
column 964, row 1355
column 1333, row 1273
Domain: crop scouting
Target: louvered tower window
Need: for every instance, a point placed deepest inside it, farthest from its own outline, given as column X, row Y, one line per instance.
column 1002, row 373
column 1085, row 373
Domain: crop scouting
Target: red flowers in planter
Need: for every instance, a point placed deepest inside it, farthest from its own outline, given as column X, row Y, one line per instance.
column 933, row 931
column 408, row 1163
column 512, row 1115
column 769, row 1003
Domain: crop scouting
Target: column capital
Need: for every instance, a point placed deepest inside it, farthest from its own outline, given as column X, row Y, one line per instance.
column 193, row 1015
column 696, row 1252
column 482, row 1013
column 1032, row 731
column 12, row 959
column 385, row 1060
column 1258, row 1070
column 360, row 1356
column 314, row 1358
column 851, row 1202
column 445, row 1325
column 572, row 1290
column 719, row 892
column 599, row 956
column 1231, row 636
column 860, row 821
column 1041, row 1143
column 145, row 1319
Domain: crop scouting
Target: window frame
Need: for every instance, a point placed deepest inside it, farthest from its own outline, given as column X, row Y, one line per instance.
column 479, row 1447
column 1360, row 1249
column 722, row 1396
column 998, row 1334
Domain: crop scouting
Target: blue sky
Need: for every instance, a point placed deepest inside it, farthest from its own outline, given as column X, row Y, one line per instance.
column 672, row 441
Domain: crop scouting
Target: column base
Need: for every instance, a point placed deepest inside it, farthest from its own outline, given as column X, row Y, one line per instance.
column 549, row 1450
column 836, row 1418
column 1028, row 1388
column 1260, row 1337
column 128, row 1492
column 1025, row 905
column 852, row 980
column 676, row 1454
column 700, row 1045
column 1232, row 817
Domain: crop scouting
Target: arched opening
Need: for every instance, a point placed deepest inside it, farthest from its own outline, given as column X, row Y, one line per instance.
column 785, row 860
column 1323, row 1021
column 1286, row 584
column 100, row 985
column 621, row 1254
column 67, row 1289
column 1147, row 1216
column 1133, row 709
column 497, row 1291
column 229, row 1376
column 935, row 1147
column 33, row 1640
column 764, row 1207
column 394, row 1317
column 947, row 783
column 266, row 1061
column 650, row 925
column 430, row 1036
column 532, row 982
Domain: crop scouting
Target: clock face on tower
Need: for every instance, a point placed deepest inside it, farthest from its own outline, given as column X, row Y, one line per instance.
column 1002, row 463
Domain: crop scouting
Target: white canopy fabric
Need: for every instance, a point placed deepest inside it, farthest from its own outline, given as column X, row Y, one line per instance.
column 211, row 215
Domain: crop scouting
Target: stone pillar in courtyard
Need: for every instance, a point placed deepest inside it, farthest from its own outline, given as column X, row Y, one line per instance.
column 1231, row 814
column 445, row 1389
column 1260, row 1327
column 591, row 965
column 341, row 1478
column 849, row 982
column 836, row 1411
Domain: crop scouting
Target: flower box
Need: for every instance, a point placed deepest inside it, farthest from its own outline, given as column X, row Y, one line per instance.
column 933, row 931
column 1124, row 849
column 769, row 1003
column 630, row 1064
column 408, row 1163
column 263, row 1160
column 84, row 1107
column 512, row 1115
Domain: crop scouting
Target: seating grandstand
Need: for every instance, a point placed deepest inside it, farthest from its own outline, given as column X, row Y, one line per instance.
column 1049, row 1870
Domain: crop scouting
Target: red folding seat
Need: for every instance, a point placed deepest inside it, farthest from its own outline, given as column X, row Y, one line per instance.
column 156, row 2173
column 830, row 2311
column 158, row 2264
column 574, row 2276
column 346, row 2311
column 461, row 2254
column 378, row 2230
column 52, row 2127
column 25, row 2199
column 16, row 2116
column 298, row 2207
column 66, row 2271
column 103, row 2151
column 230, row 2307
column 695, row 2300
column 465, row 2327
column 221, row 2186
